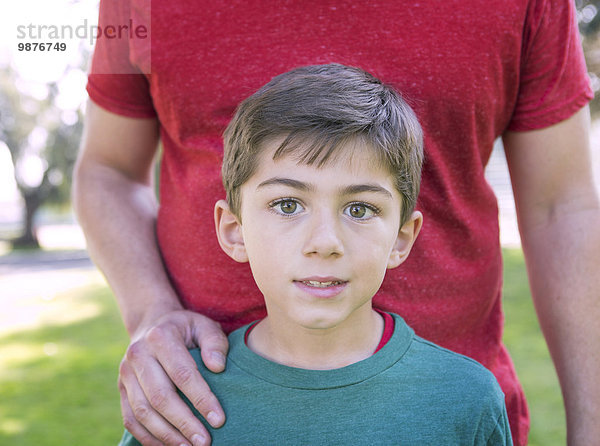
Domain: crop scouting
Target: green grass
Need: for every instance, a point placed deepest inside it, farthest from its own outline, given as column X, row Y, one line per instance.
column 524, row 340
column 58, row 381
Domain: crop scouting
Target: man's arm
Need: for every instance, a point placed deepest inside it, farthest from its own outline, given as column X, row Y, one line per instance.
column 559, row 220
column 116, row 207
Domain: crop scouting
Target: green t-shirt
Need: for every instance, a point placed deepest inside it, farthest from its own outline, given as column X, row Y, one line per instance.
column 411, row 392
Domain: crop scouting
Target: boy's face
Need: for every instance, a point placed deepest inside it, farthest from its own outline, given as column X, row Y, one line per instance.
column 318, row 240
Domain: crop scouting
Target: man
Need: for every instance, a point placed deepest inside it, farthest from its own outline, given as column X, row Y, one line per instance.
column 510, row 69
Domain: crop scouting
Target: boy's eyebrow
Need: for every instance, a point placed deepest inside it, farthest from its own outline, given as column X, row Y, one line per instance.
column 286, row 182
column 358, row 188
column 307, row 187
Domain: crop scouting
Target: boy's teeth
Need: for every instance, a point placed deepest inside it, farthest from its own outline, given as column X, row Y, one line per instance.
column 320, row 284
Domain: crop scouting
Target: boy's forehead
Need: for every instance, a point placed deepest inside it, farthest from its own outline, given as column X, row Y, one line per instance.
column 352, row 154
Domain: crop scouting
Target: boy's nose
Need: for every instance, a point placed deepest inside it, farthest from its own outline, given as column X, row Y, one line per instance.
column 323, row 237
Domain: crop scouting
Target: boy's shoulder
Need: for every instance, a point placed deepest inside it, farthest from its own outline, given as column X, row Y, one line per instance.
column 438, row 358
column 423, row 352
column 451, row 363
column 430, row 365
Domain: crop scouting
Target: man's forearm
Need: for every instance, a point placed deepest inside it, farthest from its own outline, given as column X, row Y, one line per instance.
column 563, row 257
column 118, row 217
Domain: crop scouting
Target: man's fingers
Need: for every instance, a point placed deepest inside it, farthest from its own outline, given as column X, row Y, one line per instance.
column 183, row 371
column 153, row 407
column 214, row 354
column 132, row 425
column 213, row 345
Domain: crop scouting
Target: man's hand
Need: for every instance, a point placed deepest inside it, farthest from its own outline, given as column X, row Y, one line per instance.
column 156, row 363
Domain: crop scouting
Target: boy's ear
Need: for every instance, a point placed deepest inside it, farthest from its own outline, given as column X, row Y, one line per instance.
column 229, row 232
column 406, row 238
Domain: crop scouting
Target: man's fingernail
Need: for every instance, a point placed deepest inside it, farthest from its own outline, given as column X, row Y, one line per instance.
column 198, row 440
column 213, row 418
column 219, row 358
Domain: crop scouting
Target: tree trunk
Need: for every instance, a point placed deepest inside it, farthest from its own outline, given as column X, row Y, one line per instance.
column 33, row 199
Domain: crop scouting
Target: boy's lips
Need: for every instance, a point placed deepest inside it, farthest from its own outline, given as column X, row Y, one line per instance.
column 323, row 287
column 321, row 282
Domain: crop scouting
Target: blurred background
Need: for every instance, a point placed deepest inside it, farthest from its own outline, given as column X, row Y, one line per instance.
column 61, row 338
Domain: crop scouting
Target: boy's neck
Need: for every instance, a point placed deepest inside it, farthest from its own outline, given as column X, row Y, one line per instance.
column 278, row 340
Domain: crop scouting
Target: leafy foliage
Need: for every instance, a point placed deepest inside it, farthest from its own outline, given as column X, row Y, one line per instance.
column 42, row 139
column 588, row 18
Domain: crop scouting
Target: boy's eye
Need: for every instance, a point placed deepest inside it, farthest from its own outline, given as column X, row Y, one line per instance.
column 360, row 211
column 286, row 207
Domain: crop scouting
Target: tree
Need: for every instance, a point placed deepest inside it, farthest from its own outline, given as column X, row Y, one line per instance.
column 42, row 138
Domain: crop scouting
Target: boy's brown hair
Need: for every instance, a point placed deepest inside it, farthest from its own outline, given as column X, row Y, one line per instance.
column 317, row 109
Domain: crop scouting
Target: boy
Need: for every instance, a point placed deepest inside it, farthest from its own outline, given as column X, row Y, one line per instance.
column 322, row 169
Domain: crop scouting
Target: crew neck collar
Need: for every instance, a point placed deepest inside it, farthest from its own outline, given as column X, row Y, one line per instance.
column 293, row 377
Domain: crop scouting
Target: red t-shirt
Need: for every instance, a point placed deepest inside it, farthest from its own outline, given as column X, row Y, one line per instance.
column 471, row 70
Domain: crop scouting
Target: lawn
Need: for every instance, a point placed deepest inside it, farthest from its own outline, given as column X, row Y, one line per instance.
column 58, row 381
column 524, row 340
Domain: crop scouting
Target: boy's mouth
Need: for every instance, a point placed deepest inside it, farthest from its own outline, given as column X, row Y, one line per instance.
column 321, row 284
column 327, row 287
